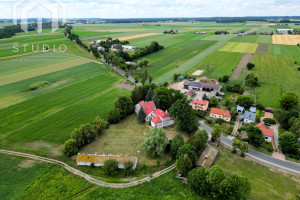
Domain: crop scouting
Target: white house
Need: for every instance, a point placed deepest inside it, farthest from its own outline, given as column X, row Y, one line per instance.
column 284, row 31
column 100, row 48
column 161, row 119
column 128, row 47
column 248, row 117
column 268, row 132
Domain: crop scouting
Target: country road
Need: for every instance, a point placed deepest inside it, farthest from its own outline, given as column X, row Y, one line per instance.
column 86, row 176
column 263, row 159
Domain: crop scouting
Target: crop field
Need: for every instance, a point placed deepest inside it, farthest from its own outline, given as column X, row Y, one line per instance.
column 239, row 47
column 265, row 91
column 286, row 39
column 138, row 36
column 264, row 39
column 218, row 64
column 277, row 70
column 248, row 38
column 287, row 50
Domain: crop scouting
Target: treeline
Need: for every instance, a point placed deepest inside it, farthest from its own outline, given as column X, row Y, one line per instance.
column 221, row 32
column 10, row 31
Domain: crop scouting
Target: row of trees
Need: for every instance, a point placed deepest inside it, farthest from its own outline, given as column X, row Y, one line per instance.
column 84, row 135
column 123, row 106
column 110, row 168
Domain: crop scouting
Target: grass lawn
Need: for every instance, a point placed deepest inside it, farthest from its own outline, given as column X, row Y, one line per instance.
column 265, row 183
column 248, row 38
column 125, row 137
column 265, row 91
column 241, row 47
column 288, row 50
column 16, row 174
column 264, row 39
column 277, row 70
column 218, row 64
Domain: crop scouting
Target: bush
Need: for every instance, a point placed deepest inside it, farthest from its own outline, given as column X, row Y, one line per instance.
column 219, row 121
column 110, row 167
column 268, row 146
column 209, row 121
column 114, row 116
column 99, row 125
column 250, row 66
column 269, row 120
column 260, row 106
column 128, row 168
column 71, row 147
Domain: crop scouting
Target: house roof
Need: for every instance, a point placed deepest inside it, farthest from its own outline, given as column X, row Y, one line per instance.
column 201, row 102
column 149, row 111
column 222, row 112
column 266, row 131
column 240, row 108
column 156, row 120
column 161, row 113
column 253, row 109
column 191, row 93
column 248, row 115
column 147, row 104
column 203, row 85
column 100, row 159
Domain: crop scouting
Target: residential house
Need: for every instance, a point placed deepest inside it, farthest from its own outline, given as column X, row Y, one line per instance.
column 98, row 160
column 220, row 113
column 98, row 41
column 200, row 104
column 161, row 119
column 149, row 108
column 284, row 31
column 253, row 109
column 100, row 48
column 201, row 86
column 248, row 117
column 268, row 132
column 191, row 94
column 240, row 109
column 128, row 47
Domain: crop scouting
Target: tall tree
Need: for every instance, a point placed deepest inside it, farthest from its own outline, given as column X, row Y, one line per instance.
column 184, row 164
column 245, row 101
column 141, row 116
column 155, row 142
column 70, row 147
column 125, row 105
column 214, row 179
column 289, row 101
column 197, row 180
column 255, row 136
column 114, row 116
column 213, row 102
column 216, row 132
column 189, row 150
column 156, row 100
column 185, row 116
column 288, row 143
column 235, row 188
column 99, row 125
column 176, row 143
column 149, row 95
column 199, row 140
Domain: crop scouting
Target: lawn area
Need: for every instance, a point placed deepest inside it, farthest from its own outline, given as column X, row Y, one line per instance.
column 265, row 183
column 17, row 173
column 125, row 137
column 264, row 39
column 287, row 50
column 277, row 70
column 239, row 47
column 248, row 38
column 218, row 64
column 265, row 91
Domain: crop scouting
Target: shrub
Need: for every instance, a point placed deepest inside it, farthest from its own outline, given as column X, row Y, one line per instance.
column 110, row 167
column 128, row 168
column 189, row 150
column 114, row 116
column 71, row 147
column 269, row 120
column 219, row 121
column 250, row 66
column 99, row 125
column 268, row 146
column 260, row 106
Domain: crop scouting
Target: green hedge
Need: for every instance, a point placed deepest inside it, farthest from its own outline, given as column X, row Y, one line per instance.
column 269, row 120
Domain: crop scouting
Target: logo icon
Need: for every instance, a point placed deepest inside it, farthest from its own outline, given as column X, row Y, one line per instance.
column 22, row 8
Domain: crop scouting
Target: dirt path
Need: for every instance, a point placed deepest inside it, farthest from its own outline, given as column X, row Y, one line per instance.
column 86, row 176
column 236, row 126
column 247, row 57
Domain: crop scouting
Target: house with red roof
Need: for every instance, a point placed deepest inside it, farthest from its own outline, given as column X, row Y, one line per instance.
column 268, row 132
column 161, row 119
column 149, row 108
column 200, row 104
column 220, row 113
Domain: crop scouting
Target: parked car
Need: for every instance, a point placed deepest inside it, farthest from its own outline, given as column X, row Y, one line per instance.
column 267, row 124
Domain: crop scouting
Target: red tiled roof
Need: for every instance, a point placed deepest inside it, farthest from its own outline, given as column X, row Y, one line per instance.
column 266, row 131
column 161, row 113
column 191, row 93
column 147, row 104
column 201, row 102
column 148, row 111
column 222, row 112
column 156, row 120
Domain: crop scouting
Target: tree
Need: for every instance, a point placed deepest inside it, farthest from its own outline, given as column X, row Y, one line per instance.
column 295, row 128
column 189, row 150
column 156, row 100
column 289, row 101
column 288, row 143
column 243, row 146
column 70, row 147
column 168, row 97
column 216, row 132
column 155, row 142
column 235, row 188
column 176, row 143
column 149, row 95
column 255, row 136
column 199, row 140
column 213, row 102
column 89, row 134
column 197, row 180
column 204, row 97
column 244, row 101
column 114, row 116
column 78, row 137
column 125, row 105
column 137, row 95
column 260, row 106
column 214, row 179
column 141, row 116
column 150, row 79
column 184, row 164
column 225, row 78
column 250, row 66
column 99, row 125
column 110, row 167
column 185, row 116
column 128, row 168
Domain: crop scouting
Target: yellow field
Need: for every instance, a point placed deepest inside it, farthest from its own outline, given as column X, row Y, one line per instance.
column 241, row 47
column 286, row 39
column 117, row 30
column 11, row 78
column 138, row 36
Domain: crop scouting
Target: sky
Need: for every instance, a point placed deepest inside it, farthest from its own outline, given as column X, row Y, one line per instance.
column 159, row 8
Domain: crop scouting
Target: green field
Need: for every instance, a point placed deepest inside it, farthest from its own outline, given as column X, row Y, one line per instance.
column 277, row 70
column 288, row 50
column 265, row 91
column 248, row 38
column 264, row 39
column 239, row 47
column 218, row 64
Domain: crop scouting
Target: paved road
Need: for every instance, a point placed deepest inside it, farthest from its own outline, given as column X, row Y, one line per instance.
column 86, row 176
column 282, row 165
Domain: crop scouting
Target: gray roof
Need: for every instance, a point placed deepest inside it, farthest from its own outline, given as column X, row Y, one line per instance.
column 253, row 109
column 248, row 115
column 240, row 108
column 203, row 85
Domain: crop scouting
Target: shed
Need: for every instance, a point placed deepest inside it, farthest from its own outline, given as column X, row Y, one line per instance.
column 269, row 109
column 240, row 109
column 180, row 78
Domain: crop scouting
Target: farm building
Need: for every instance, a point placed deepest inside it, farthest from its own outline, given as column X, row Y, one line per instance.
column 98, row 160
column 100, row 48
column 201, row 32
column 129, row 47
column 220, row 113
column 200, row 104
column 131, row 63
column 268, row 132
column 201, row 86
column 284, row 31
column 248, row 117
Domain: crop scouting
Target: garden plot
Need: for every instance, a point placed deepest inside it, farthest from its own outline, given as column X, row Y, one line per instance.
column 241, row 47
column 286, row 39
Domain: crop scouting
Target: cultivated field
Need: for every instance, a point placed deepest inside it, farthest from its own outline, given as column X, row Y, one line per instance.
column 239, row 47
column 288, row 50
column 240, row 71
column 268, row 95
column 264, row 39
column 248, row 38
column 286, row 39
column 138, row 36
column 262, row 48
